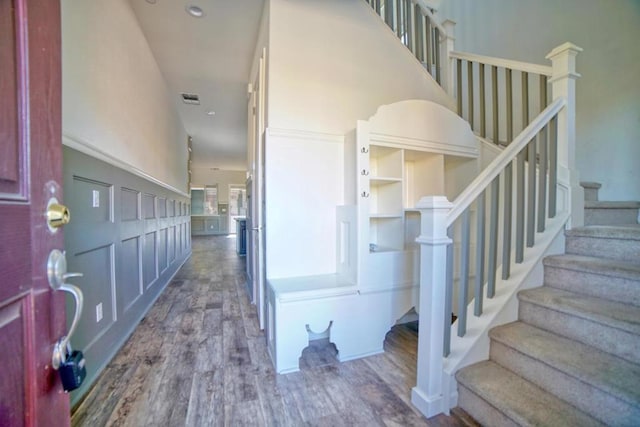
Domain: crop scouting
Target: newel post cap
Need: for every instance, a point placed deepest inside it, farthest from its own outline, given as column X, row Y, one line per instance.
column 567, row 47
column 434, row 202
column 563, row 62
column 450, row 26
column 449, row 23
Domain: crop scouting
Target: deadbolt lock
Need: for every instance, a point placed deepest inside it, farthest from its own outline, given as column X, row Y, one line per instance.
column 57, row 214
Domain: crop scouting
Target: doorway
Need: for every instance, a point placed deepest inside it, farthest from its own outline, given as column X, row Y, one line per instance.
column 256, row 210
column 237, row 205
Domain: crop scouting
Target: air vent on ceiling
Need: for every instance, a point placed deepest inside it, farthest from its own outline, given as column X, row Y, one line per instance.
column 190, row 98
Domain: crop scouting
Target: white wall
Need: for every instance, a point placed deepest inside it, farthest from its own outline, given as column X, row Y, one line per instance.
column 262, row 43
column 114, row 97
column 262, row 40
column 329, row 64
column 305, row 179
column 333, row 62
column 205, row 176
column 608, row 93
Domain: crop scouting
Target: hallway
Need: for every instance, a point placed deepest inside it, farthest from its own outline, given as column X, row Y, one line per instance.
column 199, row 359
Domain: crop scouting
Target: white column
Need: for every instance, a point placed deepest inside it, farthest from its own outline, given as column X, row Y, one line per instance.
column 563, row 85
column 428, row 394
column 448, row 44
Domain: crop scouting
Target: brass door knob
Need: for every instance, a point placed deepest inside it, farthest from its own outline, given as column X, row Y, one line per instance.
column 57, row 215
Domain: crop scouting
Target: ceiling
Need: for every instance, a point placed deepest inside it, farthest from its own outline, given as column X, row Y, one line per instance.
column 211, row 57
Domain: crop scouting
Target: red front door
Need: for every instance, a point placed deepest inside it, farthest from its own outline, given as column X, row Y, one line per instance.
column 32, row 316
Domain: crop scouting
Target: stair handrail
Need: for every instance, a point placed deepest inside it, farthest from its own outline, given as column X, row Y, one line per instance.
column 527, row 67
column 484, row 179
column 477, row 99
column 426, row 10
column 417, row 27
column 432, row 43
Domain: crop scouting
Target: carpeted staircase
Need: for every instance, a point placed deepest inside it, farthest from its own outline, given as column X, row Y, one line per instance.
column 573, row 357
column 598, row 212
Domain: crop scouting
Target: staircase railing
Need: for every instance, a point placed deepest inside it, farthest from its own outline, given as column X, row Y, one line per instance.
column 533, row 154
column 545, row 183
column 482, row 86
column 418, row 29
column 484, row 90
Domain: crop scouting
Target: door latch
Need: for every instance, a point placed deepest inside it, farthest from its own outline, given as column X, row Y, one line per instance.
column 70, row 363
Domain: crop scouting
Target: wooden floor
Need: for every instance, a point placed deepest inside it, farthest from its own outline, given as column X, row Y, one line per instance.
column 198, row 358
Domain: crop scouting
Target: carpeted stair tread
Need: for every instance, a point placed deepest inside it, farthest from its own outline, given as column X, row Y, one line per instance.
column 614, row 314
column 590, row 184
column 591, row 190
column 623, row 232
column 519, row 400
column 596, row 368
column 597, row 277
column 619, row 242
column 601, row 204
column 604, row 267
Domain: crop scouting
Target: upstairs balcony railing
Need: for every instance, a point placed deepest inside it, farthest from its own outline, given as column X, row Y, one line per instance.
column 496, row 96
column 417, row 28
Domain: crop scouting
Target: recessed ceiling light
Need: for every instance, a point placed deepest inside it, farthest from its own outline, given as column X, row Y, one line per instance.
column 151, row 1
column 211, row 113
column 194, row 11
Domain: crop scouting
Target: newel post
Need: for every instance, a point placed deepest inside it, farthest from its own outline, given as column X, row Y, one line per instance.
column 563, row 85
column 449, row 65
column 428, row 394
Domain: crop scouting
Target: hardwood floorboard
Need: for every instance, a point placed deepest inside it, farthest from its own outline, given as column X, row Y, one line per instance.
column 210, row 355
column 126, row 410
column 240, row 385
column 198, row 358
column 261, row 361
column 310, row 396
column 274, row 404
column 248, row 413
column 230, row 305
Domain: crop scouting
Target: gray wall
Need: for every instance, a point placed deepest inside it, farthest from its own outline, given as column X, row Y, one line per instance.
column 128, row 248
column 608, row 94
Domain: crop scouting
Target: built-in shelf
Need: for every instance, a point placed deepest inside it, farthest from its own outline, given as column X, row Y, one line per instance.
column 382, row 249
column 391, row 163
column 383, row 232
column 384, row 215
column 385, row 162
column 379, row 180
column 394, row 179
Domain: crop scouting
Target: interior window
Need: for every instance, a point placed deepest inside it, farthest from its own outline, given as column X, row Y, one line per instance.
column 211, row 200
column 237, row 200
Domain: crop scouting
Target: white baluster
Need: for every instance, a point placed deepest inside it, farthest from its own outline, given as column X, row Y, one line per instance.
column 448, row 46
